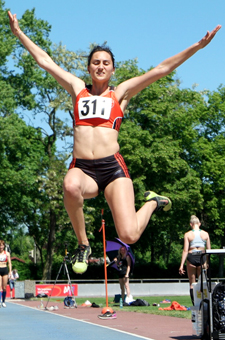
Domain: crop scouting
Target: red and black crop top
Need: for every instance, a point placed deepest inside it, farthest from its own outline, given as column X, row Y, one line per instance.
column 103, row 111
column 3, row 257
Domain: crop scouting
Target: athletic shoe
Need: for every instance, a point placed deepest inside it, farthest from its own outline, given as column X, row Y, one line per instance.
column 80, row 259
column 3, row 304
column 163, row 202
column 107, row 316
column 95, row 305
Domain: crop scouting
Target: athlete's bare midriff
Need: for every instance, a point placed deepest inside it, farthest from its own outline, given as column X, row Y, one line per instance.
column 94, row 142
column 3, row 264
column 196, row 249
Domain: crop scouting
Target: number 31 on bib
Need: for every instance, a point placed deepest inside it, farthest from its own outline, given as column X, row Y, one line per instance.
column 95, row 107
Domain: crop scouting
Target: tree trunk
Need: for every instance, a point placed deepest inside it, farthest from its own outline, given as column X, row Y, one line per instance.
column 152, row 249
column 48, row 264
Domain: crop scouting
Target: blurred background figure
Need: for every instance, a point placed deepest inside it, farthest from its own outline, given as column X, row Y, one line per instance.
column 5, row 260
column 12, row 279
column 196, row 241
column 123, row 262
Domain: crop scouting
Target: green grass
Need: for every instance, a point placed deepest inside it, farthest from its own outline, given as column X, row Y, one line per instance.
column 182, row 300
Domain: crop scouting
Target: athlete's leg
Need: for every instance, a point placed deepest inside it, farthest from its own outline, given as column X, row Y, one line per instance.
column 198, row 271
column 0, row 290
column 129, row 223
column 122, row 287
column 11, row 288
column 192, row 272
column 126, row 284
column 4, row 286
column 78, row 186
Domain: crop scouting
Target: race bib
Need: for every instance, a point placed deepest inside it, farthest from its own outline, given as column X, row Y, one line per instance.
column 94, row 107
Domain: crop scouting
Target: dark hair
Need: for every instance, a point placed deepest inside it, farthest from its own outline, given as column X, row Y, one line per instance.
column 101, row 48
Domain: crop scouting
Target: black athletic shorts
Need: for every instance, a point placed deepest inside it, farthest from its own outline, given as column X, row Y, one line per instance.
column 4, row 271
column 194, row 259
column 122, row 274
column 102, row 170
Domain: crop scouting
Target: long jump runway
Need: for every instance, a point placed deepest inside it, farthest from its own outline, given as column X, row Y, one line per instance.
column 22, row 320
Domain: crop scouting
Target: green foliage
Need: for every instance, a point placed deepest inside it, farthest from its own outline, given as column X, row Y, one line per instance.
column 172, row 140
column 21, row 158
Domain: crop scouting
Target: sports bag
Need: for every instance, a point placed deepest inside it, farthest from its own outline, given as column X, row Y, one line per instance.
column 139, row 302
column 69, row 302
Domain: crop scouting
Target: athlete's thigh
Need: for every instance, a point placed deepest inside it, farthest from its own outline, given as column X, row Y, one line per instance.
column 198, row 270
column 76, row 179
column 4, row 281
column 120, row 198
column 121, row 282
column 192, row 271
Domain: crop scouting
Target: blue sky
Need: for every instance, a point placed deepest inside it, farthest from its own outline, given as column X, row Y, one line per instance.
column 148, row 30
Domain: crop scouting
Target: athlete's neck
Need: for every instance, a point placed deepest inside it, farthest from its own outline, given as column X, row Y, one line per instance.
column 99, row 89
column 195, row 228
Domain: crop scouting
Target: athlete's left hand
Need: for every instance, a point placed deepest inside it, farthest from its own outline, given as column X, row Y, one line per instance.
column 209, row 36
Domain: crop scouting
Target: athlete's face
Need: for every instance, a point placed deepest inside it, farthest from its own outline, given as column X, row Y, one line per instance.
column 2, row 246
column 101, row 66
column 123, row 250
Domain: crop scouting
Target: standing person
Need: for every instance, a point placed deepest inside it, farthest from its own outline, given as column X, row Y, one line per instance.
column 4, row 259
column 97, row 164
column 12, row 279
column 196, row 241
column 123, row 263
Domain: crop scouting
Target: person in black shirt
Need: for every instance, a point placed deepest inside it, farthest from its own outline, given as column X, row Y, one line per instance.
column 123, row 263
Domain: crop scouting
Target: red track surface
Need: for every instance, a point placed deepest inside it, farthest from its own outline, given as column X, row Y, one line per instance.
column 147, row 325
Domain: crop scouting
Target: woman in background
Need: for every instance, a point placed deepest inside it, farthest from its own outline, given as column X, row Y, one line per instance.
column 12, row 280
column 123, row 263
column 195, row 242
column 5, row 261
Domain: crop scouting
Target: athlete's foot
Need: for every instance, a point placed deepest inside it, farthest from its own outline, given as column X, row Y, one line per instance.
column 80, row 259
column 3, row 304
column 163, row 202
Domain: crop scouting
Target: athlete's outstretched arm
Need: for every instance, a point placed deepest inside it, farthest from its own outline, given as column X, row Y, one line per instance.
column 132, row 86
column 70, row 82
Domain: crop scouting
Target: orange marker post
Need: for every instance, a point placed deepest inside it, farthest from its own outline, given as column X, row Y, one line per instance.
column 107, row 308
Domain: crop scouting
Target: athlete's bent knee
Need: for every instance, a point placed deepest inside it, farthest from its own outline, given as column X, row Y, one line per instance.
column 71, row 188
column 129, row 238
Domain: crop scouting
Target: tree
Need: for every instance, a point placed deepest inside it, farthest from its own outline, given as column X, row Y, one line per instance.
column 22, row 159
column 7, row 93
column 41, row 94
column 169, row 139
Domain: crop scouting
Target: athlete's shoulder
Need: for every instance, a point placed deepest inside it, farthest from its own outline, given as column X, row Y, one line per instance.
column 204, row 232
column 189, row 235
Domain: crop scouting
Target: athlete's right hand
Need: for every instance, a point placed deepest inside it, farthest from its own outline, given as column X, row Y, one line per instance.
column 181, row 271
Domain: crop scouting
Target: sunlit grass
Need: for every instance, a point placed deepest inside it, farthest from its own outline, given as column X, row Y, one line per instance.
column 182, row 300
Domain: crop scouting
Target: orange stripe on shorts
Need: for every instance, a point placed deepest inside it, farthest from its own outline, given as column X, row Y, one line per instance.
column 72, row 164
column 122, row 163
